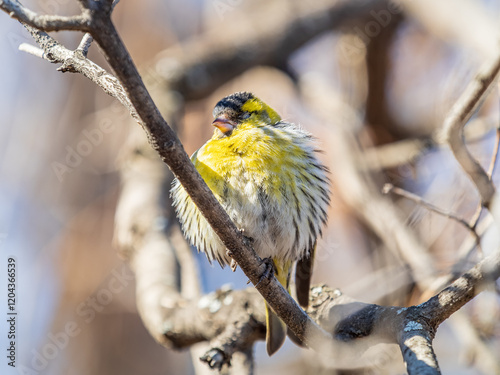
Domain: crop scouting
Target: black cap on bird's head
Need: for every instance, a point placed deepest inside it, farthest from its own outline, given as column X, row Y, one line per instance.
column 228, row 111
column 232, row 103
column 237, row 107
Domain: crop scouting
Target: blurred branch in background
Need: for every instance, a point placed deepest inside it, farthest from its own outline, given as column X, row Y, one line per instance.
column 363, row 155
column 206, row 62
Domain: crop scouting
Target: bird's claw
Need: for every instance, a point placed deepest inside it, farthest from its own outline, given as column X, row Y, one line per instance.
column 233, row 263
column 268, row 272
column 216, row 359
column 248, row 242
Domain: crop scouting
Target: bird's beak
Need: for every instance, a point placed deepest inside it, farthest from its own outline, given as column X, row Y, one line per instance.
column 224, row 124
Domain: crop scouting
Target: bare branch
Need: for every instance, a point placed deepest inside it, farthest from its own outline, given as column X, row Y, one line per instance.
column 462, row 290
column 458, row 116
column 32, row 50
column 418, row 354
column 406, row 151
column 413, row 328
column 75, row 61
column 207, row 62
column 244, row 360
column 85, row 43
column 47, row 23
column 419, row 200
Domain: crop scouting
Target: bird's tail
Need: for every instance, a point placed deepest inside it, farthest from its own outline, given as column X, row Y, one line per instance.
column 276, row 328
column 303, row 275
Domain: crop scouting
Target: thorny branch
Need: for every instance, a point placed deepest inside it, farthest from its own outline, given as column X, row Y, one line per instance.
column 410, row 327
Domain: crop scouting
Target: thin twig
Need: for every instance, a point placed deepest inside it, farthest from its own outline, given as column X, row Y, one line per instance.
column 84, row 45
column 491, row 169
column 87, row 39
column 80, row 22
column 32, row 50
column 55, row 52
column 463, row 254
column 390, row 188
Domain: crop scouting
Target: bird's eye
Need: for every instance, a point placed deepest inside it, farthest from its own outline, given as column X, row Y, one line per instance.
column 245, row 115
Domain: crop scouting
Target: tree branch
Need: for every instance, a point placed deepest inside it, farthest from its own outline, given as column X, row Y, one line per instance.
column 76, row 62
column 462, row 290
column 46, row 23
column 413, row 328
column 418, row 353
column 207, row 61
column 419, row 200
column 458, row 116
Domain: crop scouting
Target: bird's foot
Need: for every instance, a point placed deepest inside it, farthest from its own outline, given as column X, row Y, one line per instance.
column 248, row 240
column 268, row 272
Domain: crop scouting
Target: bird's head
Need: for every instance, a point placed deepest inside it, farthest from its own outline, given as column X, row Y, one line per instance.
column 242, row 108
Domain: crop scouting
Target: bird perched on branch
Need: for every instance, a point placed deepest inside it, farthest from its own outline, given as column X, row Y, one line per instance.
column 265, row 174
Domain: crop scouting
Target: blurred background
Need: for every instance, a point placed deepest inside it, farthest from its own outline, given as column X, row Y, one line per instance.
column 372, row 80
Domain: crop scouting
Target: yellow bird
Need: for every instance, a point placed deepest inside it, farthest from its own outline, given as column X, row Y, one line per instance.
column 265, row 173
